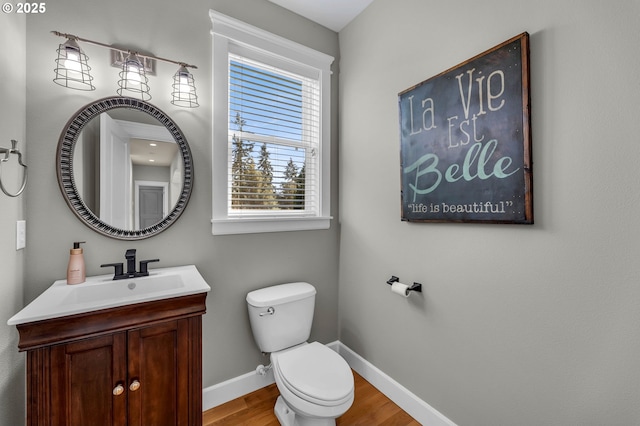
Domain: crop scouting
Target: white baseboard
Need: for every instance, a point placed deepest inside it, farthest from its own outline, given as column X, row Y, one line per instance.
column 401, row 396
column 421, row 411
column 234, row 388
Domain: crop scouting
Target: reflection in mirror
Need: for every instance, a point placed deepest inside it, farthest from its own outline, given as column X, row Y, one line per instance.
column 124, row 168
column 127, row 171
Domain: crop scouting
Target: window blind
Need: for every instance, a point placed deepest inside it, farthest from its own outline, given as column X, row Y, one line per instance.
column 274, row 133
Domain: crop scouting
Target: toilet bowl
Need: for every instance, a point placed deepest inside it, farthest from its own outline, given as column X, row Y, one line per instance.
column 315, row 383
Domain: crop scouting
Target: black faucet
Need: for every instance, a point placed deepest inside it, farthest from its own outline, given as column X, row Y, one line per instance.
column 130, row 255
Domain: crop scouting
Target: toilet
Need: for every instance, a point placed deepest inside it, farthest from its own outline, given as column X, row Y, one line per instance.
column 315, row 383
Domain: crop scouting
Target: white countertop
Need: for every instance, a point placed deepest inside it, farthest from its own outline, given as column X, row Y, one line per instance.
column 102, row 292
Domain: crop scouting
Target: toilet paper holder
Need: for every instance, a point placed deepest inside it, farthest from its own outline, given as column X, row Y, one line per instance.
column 414, row 287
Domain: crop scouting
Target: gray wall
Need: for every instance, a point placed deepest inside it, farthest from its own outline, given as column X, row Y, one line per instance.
column 233, row 265
column 12, row 126
column 517, row 325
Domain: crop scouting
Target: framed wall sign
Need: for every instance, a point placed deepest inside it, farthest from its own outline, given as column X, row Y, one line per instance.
column 465, row 141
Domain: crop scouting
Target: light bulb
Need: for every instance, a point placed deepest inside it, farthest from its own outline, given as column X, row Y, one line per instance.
column 72, row 61
column 133, row 73
column 184, row 85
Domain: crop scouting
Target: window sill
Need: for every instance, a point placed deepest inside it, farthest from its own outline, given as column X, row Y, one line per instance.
column 255, row 225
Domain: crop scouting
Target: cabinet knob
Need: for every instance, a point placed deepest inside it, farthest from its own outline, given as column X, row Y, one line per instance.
column 134, row 386
column 118, row 390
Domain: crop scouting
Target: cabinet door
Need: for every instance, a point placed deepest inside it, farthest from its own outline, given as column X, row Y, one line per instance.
column 158, row 358
column 84, row 376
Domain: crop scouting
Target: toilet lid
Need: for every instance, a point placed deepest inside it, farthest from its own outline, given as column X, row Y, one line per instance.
column 316, row 373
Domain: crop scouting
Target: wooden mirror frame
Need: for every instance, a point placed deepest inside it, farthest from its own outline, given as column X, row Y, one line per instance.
column 64, row 167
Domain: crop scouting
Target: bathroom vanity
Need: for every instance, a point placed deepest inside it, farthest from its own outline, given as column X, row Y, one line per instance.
column 120, row 349
column 132, row 358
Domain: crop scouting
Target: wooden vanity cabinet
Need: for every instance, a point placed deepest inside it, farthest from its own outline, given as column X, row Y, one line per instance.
column 132, row 365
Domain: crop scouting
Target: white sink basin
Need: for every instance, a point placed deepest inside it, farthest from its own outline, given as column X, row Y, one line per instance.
column 102, row 292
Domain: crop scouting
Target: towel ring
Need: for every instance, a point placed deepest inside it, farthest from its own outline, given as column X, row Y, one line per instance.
column 7, row 152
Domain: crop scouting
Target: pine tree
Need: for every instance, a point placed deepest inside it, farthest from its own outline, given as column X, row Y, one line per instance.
column 243, row 169
column 300, row 188
column 252, row 184
column 265, row 186
column 289, row 186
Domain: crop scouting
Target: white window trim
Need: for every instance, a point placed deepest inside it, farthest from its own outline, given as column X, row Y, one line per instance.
column 227, row 31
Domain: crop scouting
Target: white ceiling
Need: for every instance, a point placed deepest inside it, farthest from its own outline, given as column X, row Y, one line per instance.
column 152, row 153
column 333, row 14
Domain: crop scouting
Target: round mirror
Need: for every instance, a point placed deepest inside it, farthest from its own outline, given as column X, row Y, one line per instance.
column 124, row 168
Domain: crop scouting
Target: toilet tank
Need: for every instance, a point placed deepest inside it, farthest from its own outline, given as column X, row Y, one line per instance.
column 281, row 315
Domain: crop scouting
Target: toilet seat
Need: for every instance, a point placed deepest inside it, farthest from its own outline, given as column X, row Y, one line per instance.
column 316, row 374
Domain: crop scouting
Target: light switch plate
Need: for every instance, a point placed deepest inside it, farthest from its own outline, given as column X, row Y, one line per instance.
column 21, row 234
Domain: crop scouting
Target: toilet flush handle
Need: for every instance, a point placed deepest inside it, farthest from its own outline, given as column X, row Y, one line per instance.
column 270, row 311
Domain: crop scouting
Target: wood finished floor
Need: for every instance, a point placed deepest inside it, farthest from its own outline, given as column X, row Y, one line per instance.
column 370, row 408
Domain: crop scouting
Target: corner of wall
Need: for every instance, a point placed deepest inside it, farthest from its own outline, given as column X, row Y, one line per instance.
column 12, row 209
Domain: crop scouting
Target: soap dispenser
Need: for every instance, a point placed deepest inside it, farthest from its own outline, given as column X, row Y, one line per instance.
column 76, row 269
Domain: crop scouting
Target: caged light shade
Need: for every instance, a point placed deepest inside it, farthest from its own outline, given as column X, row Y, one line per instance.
column 72, row 68
column 184, row 89
column 133, row 79
column 72, row 71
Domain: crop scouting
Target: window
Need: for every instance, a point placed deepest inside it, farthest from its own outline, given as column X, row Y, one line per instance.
column 271, row 143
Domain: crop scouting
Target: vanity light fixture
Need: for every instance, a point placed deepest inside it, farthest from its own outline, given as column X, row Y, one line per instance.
column 184, row 89
column 133, row 79
column 72, row 71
